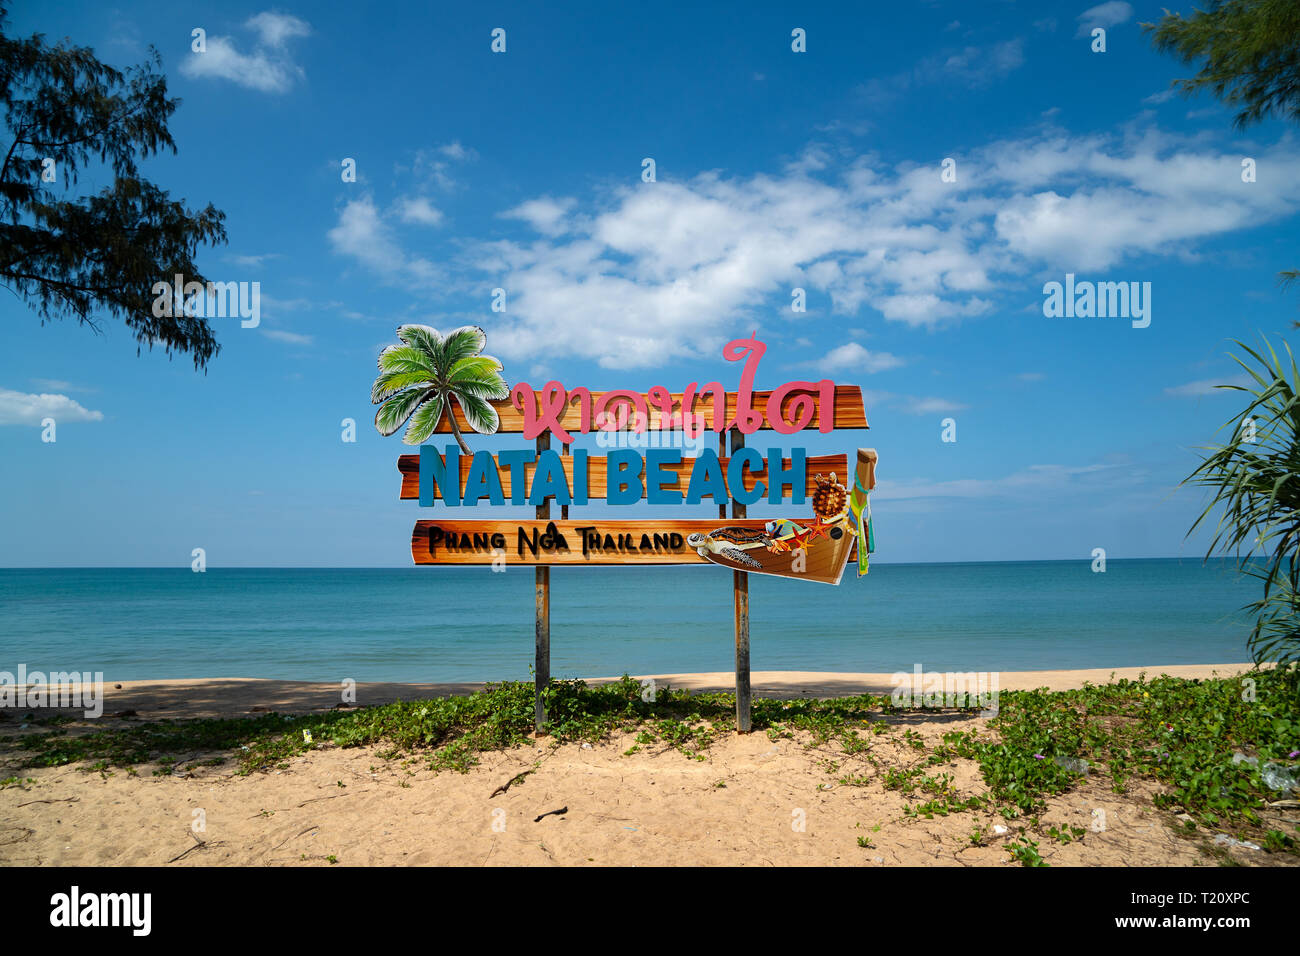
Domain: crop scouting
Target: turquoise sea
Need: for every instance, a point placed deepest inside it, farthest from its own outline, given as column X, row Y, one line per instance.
column 463, row 624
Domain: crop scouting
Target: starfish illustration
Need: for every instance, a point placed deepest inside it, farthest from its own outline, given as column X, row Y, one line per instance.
column 818, row 529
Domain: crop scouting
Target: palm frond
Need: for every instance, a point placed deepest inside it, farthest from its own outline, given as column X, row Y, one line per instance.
column 424, row 421
column 394, row 412
column 425, row 338
column 390, row 383
column 1255, row 484
column 462, row 343
column 480, row 414
column 476, row 364
column 405, row 358
column 479, row 375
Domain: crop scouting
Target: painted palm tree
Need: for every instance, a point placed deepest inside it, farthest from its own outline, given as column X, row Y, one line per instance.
column 419, row 378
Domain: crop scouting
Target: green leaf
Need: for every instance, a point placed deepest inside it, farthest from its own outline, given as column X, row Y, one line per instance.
column 424, row 338
column 391, row 383
column 424, row 421
column 394, row 412
column 462, row 343
column 405, row 358
column 480, row 414
column 479, row 380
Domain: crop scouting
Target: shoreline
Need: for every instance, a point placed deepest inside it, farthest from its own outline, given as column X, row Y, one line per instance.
column 244, row 696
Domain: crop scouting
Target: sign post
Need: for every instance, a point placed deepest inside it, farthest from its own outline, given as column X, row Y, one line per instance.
column 740, row 595
column 455, row 479
column 542, row 664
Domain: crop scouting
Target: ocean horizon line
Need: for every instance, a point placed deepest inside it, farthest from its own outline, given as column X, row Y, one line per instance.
column 398, row 567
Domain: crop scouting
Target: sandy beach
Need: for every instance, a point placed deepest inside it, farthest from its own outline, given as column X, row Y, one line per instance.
column 751, row 799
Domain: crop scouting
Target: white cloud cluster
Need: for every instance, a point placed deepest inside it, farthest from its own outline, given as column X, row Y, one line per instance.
column 653, row 272
column 432, row 167
column 274, row 28
column 419, row 210
column 545, row 215
column 1105, row 15
column 24, row 408
column 362, row 234
column 970, row 66
column 267, row 67
column 853, row 357
column 291, row 338
column 977, row 66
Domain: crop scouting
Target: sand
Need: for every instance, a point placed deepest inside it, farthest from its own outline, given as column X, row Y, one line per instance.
column 750, row 801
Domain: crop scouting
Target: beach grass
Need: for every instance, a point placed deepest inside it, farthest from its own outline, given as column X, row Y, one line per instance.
column 1209, row 746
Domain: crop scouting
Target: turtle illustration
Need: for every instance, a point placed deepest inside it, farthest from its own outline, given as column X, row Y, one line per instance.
column 723, row 541
column 830, row 498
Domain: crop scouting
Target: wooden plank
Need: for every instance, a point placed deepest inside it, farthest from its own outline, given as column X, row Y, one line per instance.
column 458, row 541
column 542, row 587
column 597, row 474
column 740, row 599
column 849, row 411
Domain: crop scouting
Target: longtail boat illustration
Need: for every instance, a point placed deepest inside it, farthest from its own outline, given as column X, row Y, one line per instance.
column 815, row 549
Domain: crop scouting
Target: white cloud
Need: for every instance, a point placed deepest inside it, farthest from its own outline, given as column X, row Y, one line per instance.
column 970, row 66
column 292, row 338
column 456, row 151
column 978, row 66
column 274, row 28
column 419, row 210
column 932, row 406
column 253, row 262
column 23, row 408
column 1155, row 99
column 59, row 385
column 1108, row 201
column 270, row 302
column 1209, row 386
column 362, row 234
column 268, row 67
column 670, row 270
column 432, row 167
column 853, row 357
column 666, row 270
column 1105, row 15
column 544, row 214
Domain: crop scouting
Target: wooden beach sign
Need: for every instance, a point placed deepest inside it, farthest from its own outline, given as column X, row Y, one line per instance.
column 443, row 385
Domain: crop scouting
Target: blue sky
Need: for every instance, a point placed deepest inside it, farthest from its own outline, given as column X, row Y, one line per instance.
column 775, row 170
